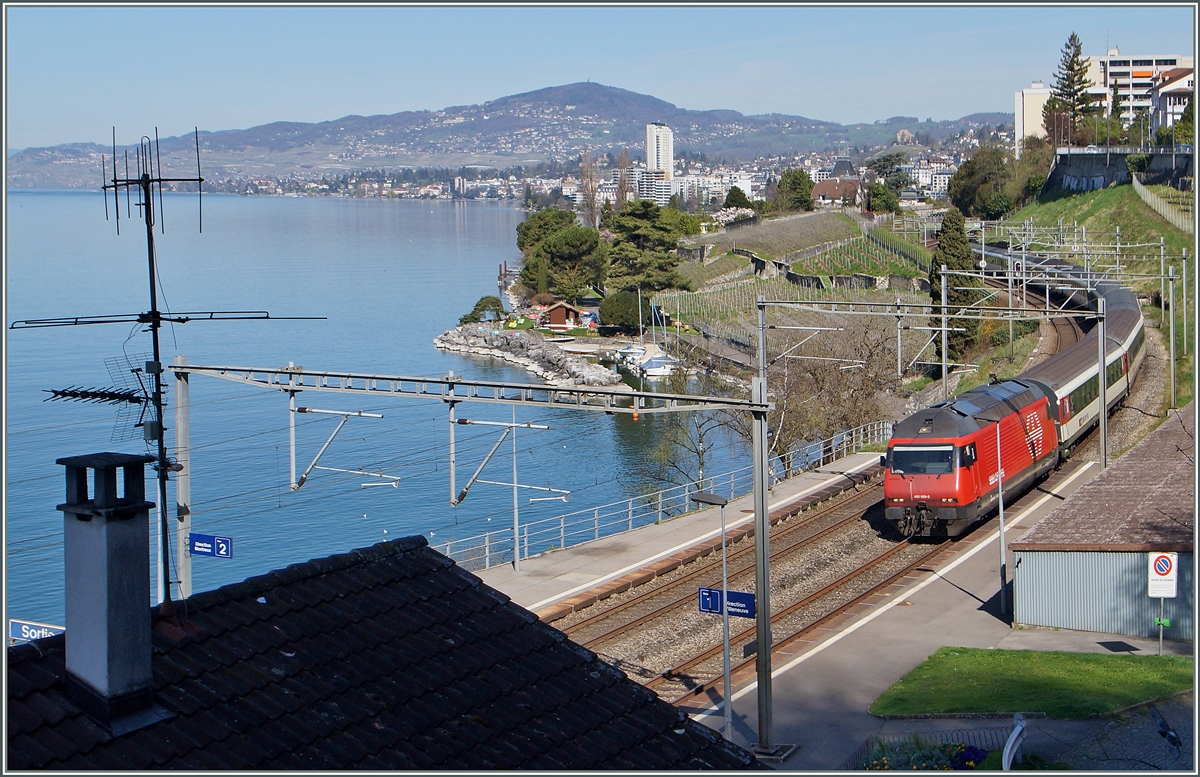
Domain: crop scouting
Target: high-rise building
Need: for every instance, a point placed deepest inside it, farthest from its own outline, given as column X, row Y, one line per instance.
column 660, row 148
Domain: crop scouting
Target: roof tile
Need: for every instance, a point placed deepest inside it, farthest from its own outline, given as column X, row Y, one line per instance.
column 389, row 657
column 26, row 753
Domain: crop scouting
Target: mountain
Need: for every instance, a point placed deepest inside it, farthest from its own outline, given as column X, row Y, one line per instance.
column 552, row 124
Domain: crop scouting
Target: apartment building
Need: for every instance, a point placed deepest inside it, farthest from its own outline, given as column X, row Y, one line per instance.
column 1027, row 113
column 1134, row 77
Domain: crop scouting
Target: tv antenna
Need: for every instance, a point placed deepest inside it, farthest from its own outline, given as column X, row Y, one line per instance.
column 147, row 180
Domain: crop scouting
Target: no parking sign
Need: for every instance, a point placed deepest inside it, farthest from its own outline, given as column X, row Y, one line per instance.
column 1163, row 569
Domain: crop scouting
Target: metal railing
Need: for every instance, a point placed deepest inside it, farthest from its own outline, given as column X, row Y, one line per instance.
column 493, row 548
column 1180, row 148
column 1163, row 208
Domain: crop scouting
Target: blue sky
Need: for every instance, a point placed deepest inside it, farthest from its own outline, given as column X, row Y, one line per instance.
column 74, row 72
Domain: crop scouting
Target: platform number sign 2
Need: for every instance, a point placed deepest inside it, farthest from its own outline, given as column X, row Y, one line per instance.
column 210, row 545
column 1163, row 574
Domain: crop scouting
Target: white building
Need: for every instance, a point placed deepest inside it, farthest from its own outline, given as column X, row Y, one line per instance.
column 1170, row 96
column 1028, row 113
column 660, row 148
column 1134, row 77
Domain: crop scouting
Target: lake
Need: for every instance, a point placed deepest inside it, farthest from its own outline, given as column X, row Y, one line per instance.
column 388, row 275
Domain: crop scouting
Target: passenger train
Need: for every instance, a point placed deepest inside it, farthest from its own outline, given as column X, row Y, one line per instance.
column 943, row 463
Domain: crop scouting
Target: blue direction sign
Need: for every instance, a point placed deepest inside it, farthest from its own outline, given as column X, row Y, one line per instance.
column 741, row 605
column 23, row 631
column 210, row 545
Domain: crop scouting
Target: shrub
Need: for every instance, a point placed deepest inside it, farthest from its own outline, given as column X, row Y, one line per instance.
column 1137, row 163
column 543, row 299
column 1020, row 329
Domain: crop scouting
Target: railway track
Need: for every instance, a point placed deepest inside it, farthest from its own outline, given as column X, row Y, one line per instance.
column 796, row 622
column 614, row 622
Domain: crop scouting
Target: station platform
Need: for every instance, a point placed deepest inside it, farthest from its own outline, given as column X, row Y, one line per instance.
column 822, row 689
column 557, row 582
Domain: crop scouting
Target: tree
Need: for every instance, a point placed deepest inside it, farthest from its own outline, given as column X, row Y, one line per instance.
column 881, row 200
column 621, row 309
column 643, row 251
column 794, row 190
column 486, row 309
column 528, row 195
column 974, row 186
column 737, row 199
column 541, row 225
column 954, row 251
column 624, row 181
column 574, row 258
column 821, row 395
column 686, row 440
column 588, row 186
column 1070, row 90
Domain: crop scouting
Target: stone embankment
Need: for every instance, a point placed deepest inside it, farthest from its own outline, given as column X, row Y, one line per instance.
column 530, row 350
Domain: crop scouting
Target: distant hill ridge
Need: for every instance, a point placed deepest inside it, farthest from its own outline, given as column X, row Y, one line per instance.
column 551, row 124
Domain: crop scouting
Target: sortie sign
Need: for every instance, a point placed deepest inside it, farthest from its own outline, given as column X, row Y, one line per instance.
column 1163, row 573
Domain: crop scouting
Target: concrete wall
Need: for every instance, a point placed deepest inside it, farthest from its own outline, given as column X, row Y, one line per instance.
column 1083, row 172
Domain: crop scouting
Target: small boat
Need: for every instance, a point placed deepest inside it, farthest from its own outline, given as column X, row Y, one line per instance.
column 658, row 366
column 563, row 339
column 631, row 354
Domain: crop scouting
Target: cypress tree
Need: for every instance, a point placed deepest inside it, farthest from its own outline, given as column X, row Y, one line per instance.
column 954, row 251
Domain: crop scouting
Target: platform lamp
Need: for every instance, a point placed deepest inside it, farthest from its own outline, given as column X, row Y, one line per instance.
column 705, row 498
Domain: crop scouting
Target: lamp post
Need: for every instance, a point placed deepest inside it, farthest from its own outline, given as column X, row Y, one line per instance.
column 706, row 498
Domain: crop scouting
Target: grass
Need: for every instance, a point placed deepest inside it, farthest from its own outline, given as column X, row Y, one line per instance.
column 1066, row 686
column 996, row 359
column 773, row 239
column 700, row 274
column 1027, row 762
column 1103, row 211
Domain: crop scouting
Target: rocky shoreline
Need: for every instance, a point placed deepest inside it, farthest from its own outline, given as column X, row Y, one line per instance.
column 530, row 350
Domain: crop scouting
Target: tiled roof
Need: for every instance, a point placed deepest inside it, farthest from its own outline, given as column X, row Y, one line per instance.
column 1141, row 502
column 388, row 657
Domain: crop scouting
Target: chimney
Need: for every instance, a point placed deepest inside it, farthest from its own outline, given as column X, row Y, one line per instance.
column 107, row 554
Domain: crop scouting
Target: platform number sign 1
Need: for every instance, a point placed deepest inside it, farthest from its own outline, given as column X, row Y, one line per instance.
column 1163, row 574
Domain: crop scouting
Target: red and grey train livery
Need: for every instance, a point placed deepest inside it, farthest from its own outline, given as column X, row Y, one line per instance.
column 943, row 462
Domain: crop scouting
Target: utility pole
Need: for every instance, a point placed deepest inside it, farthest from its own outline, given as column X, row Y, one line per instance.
column 945, row 356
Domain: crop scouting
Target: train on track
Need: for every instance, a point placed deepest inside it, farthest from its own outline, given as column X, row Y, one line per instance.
column 944, row 464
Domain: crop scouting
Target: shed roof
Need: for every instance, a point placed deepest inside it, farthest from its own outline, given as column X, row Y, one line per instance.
column 1142, row 502
column 387, row 657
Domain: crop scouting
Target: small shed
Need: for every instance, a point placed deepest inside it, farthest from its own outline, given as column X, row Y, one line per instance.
column 561, row 316
column 1086, row 565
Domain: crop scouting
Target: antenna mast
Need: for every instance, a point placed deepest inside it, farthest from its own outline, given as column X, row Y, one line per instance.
column 149, row 178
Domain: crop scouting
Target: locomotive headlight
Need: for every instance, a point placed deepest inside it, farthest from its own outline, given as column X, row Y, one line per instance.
column 896, row 499
column 949, row 499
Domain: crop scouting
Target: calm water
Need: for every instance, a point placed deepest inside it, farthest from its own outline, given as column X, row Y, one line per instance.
column 388, row 275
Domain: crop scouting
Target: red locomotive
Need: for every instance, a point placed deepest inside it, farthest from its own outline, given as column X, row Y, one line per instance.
column 941, row 466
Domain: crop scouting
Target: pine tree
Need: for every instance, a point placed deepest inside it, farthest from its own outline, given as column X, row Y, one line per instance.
column 954, row 251
column 1070, row 92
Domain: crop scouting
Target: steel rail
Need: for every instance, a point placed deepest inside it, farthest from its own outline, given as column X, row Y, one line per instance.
column 679, row 674
column 709, row 567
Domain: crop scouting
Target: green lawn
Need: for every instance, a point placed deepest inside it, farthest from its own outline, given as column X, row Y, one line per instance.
column 1067, row 686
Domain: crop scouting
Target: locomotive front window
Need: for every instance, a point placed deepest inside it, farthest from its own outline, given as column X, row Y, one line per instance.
column 923, row 459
